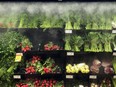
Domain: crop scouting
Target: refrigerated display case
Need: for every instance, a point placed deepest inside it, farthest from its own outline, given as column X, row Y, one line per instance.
column 58, row 46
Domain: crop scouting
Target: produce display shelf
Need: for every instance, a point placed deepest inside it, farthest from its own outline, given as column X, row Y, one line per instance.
column 93, row 75
column 51, row 75
column 43, row 52
column 82, row 75
column 82, row 52
column 56, row 53
column 86, row 31
column 91, row 53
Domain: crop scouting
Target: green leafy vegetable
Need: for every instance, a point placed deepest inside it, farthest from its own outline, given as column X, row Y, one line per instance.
column 8, row 43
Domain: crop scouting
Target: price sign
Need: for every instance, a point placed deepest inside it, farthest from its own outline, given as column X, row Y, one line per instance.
column 93, row 77
column 114, row 31
column 69, row 76
column 68, row 31
column 70, row 53
column 18, row 57
column 114, row 76
column 17, row 76
column 114, row 53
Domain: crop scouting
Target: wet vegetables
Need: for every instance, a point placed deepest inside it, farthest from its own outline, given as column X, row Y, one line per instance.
column 99, row 42
column 103, row 66
column 76, row 68
column 78, row 19
column 37, row 65
column 73, row 42
column 92, row 41
column 106, row 83
column 40, row 83
column 51, row 46
column 9, row 42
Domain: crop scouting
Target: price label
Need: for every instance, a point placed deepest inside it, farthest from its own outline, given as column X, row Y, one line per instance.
column 17, row 76
column 114, row 76
column 18, row 57
column 114, row 49
column 81, row 85
column 70, row 53
column 93, row 77
column 68, row 31
column 113, row 31
column 69, row 76
column 114, row 53
column 21, row 54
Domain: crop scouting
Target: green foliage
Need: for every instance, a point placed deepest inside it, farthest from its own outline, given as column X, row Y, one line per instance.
column 78, row 19
column 99, row 42
column 9, row 41
column 93, row 41
column 73, row 42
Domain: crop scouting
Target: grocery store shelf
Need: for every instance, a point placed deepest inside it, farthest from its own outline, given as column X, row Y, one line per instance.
column 69, row 31
column 78, row 74
column 89, row 75
column 89, row 52
column 58, row 53
column 43, row 52
column 51, row 75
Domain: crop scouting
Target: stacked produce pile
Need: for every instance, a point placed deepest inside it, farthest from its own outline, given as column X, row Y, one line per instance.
column 80, row 83
column 101, row 67
column 27, row 20
column 51, row 46
column 9, row 42
column 78, row 19
column 106, row 83
column 73, row 42
column 92, row 42
column 40, row 83
column 100, row 42
column 76, row 68
column 93, row 84
column 37, row 65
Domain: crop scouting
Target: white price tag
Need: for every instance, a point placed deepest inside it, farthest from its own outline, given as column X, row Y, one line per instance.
column 68, row 31
column 17, row 76
column 114, row 53
column 69, row 76
column 19, row 54
column 70, row 53
column 81, row 85
column 93, row 77
column 114, row 76
column 114, row 49
column 113, row 31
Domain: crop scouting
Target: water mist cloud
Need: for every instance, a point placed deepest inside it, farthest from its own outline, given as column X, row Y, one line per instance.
column 59, row 8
